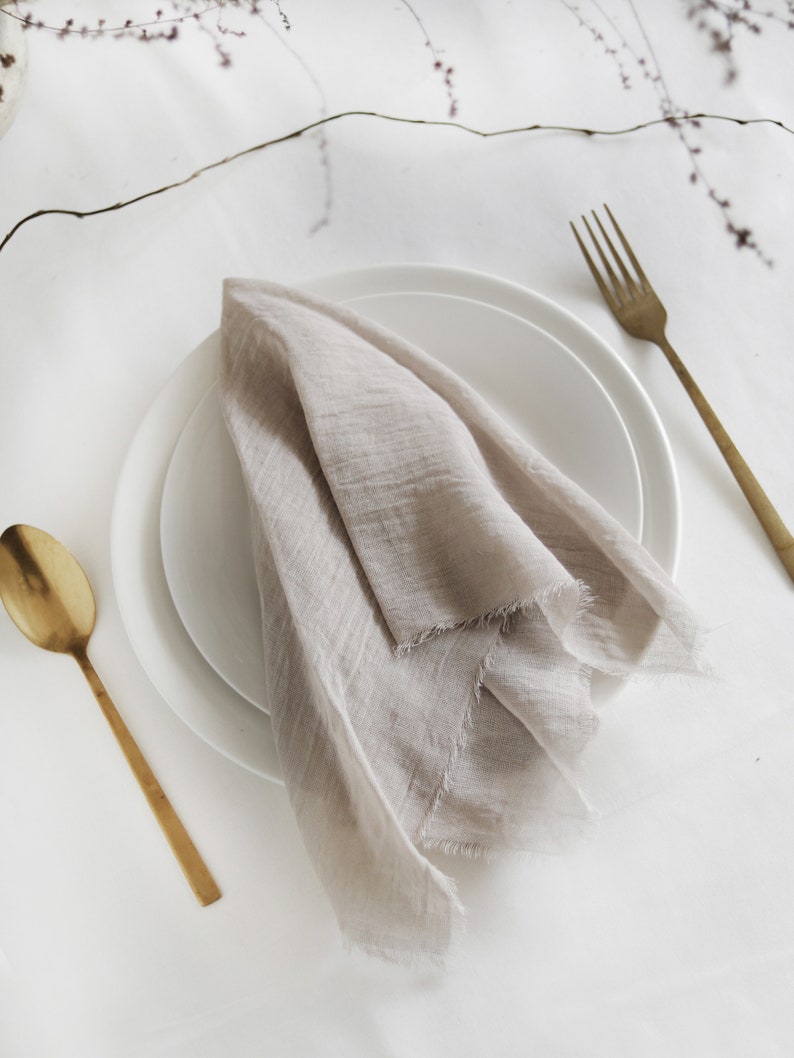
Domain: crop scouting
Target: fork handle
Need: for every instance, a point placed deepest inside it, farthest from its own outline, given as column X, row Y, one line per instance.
column 773, row 525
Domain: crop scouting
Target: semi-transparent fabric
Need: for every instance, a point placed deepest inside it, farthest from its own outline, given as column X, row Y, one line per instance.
column 435, row 597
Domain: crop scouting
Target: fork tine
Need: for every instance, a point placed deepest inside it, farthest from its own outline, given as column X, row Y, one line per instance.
column 610, row 271
column 606, row 293
column 646, row 286
column 628, row 278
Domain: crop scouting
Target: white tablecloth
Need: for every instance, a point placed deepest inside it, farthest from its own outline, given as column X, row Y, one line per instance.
column 673, row 933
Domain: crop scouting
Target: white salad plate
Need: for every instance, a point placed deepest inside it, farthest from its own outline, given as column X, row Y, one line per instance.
column 181, row 553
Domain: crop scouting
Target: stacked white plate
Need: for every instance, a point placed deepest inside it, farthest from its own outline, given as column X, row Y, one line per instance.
column 181, row 552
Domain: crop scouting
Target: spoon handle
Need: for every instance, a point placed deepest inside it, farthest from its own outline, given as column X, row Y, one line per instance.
column 201, row 881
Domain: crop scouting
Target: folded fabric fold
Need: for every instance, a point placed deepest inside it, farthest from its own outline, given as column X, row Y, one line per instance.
column 435, row 597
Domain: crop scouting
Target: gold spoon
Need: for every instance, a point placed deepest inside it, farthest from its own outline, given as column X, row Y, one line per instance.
column 48, row 597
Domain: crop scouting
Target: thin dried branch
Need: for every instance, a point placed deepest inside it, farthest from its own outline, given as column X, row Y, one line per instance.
column 204, row 16
column 640, row 56
column 327, row 120
column 439, row 63
column 721, row 20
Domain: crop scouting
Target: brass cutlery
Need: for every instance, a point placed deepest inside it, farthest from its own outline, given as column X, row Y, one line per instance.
column 637, row 308
column 48, row 597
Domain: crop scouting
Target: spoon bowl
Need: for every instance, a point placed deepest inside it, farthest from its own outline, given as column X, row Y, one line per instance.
column 45, row 590
column 49, row 598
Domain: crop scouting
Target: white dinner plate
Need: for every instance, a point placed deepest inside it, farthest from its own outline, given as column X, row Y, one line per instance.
column 545, row 392
column 189, row 684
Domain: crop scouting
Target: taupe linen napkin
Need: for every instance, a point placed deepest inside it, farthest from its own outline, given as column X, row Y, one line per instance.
column 435, row 596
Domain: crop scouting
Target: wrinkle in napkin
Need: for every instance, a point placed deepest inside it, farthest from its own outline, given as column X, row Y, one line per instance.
column 435, row 596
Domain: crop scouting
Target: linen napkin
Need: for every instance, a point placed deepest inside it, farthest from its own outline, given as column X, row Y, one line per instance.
column 435, row 596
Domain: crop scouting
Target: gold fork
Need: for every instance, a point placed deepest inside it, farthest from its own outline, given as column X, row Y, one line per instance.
column 635, row 305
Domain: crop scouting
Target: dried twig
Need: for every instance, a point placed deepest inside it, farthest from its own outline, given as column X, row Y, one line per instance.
column 327, row 120
column 719, row 19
